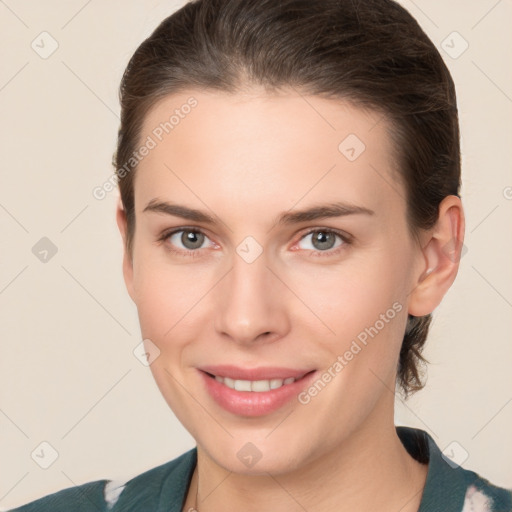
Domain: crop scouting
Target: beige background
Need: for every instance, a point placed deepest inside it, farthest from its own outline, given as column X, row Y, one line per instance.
column 67, row 372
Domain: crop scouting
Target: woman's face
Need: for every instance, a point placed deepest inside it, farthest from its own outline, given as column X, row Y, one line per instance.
column 262, row 292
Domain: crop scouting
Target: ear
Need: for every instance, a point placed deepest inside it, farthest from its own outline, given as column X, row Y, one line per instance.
column 127, row 259
column 441, row 252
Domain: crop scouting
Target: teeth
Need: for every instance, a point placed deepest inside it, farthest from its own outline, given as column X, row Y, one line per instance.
column 243, row 385
column 254, row 385
column 276, row 383
column 260, row 385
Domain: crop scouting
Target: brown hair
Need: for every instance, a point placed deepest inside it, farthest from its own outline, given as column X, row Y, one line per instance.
column 371, row 52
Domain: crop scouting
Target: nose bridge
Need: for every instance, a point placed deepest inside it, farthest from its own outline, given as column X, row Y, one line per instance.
column 250, row 303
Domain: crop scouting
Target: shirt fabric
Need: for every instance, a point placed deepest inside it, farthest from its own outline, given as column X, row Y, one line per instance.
column 448, row 487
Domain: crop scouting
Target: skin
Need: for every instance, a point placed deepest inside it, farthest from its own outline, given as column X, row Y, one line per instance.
column 245, row 159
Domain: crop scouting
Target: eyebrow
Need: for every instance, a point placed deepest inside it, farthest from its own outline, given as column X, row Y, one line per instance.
column 323, row 211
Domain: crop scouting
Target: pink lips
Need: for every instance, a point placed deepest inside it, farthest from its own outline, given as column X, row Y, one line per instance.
column 251, row 403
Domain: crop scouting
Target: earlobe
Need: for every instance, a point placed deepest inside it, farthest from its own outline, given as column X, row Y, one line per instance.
column 441, row 254
column 127, row 260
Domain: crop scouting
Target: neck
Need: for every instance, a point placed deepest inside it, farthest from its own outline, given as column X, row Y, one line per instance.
column 369, row 470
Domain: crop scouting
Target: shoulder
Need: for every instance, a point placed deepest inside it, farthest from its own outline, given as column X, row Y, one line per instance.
column 82, row 498
column 157, row 488
column 449, row 486
column 483, row 496
column 144, row 491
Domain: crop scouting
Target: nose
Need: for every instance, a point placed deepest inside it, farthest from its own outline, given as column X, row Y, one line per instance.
column 251, row 303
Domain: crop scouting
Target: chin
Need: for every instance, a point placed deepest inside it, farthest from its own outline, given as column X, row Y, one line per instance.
column 260, row 456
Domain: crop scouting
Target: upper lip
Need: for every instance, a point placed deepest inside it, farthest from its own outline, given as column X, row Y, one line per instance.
column 262, row 373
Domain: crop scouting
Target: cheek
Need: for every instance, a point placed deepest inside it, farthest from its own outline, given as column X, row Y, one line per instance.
column 174, row 304
column 362, row 303
column 165, row 294
column 351, row 295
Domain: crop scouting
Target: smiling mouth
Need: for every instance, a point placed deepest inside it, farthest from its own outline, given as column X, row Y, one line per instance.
column 254, row 392
column 255, row 386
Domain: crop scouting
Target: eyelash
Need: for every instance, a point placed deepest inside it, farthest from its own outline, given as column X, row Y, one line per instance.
column 347, row 240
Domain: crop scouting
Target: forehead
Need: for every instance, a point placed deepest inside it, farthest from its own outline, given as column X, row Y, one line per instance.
column 256, row 147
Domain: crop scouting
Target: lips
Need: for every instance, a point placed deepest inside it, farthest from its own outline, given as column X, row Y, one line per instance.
column 253, row 374
column 254, row 392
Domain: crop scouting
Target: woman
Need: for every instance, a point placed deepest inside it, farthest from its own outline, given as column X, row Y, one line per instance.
column 290, row 210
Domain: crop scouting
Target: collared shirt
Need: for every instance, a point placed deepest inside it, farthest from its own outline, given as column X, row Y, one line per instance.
column 448, row 487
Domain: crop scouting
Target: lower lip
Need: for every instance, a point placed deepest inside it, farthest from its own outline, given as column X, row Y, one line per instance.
column 250, row 403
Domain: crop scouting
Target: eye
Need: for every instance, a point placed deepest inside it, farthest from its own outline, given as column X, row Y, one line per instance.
column 185, row 241
column 324, row 241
